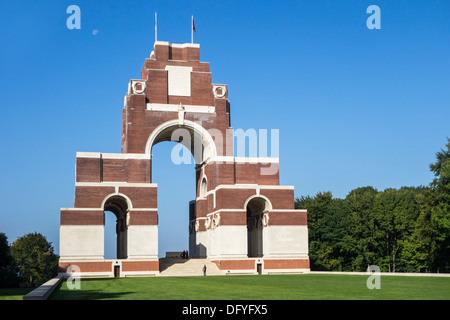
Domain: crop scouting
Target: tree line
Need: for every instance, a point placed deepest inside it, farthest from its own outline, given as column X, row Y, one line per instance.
column 27, row 262
column 399, row 230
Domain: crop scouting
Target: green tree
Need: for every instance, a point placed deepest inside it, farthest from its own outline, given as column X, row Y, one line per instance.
column 395, row 212
column 440, row 216
column 336, row 232
column 326, row 229
column 362, row 227
column 8, row 276
column 5, row 255
column 429, row 246
column 35, row 259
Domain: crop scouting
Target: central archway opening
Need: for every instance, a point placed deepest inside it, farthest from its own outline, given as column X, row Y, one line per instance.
column 176, row 188
column 174, row 166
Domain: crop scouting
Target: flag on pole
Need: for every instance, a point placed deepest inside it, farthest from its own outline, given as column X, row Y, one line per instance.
column 192, row 29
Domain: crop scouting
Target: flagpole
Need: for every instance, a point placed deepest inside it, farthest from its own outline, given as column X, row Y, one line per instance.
column 156, row 27
column 192, row 29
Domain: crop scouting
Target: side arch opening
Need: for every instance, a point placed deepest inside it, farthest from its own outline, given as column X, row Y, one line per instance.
column 118, row 206
column 203, row 187
column 256, row 207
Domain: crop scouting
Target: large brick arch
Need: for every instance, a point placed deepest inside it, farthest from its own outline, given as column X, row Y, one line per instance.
column 166, row 132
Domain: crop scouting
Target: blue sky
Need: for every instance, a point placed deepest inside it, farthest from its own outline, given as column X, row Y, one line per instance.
column 354, row 106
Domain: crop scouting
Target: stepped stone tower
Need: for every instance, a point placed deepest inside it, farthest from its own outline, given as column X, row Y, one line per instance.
column 242, row 219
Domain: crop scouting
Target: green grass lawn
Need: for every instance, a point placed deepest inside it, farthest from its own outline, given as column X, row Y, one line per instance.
column 13, row 293
column 262, row 287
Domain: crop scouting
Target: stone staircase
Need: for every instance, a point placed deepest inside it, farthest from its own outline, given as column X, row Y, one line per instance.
column 173, row 267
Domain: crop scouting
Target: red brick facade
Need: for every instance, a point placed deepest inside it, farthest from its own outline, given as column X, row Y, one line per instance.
column 269, row 264
column 97, row 266
column 140, row 266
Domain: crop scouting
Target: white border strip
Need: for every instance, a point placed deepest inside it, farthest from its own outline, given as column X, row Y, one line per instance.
column 232, row 159
column 120, row 184
column 256, row 160
column 82, row 209
column 285, row 271
column 250, row 186
column 124, row 156
column 174, row 108
column 177, row 45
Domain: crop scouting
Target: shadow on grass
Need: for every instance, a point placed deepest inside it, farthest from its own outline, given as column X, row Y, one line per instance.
column 87, row 294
